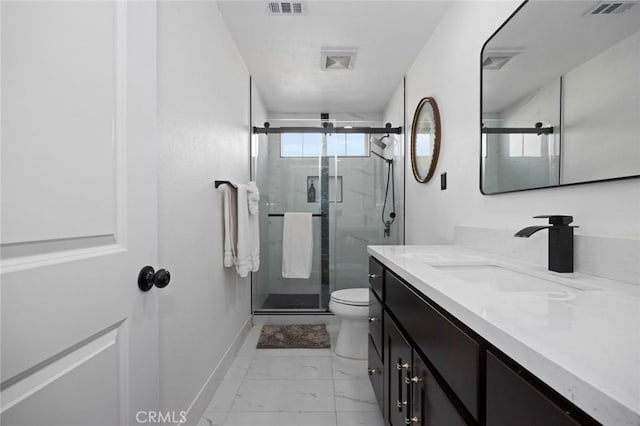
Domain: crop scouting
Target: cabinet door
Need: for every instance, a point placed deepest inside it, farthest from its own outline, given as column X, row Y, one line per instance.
column 397, row 367
column 429, row 404
column 511, row 400
column 376, row 375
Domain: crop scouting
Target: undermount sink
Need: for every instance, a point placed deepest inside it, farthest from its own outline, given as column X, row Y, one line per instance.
column 444, row 258
column 509, row 280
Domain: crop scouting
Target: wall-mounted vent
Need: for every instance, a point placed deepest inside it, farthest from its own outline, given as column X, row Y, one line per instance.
column 610, row 8
column 338, row 59
column 494, row 60
column 285, row 7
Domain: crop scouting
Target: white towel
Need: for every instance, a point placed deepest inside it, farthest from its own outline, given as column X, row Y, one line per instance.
column 229, row 204
column 253, row 197
column 297, row 245
column 244, row 262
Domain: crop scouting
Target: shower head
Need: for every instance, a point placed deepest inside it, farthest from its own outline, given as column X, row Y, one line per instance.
column 379, row 142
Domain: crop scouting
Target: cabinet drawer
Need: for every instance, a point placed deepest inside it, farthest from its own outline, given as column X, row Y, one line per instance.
column 376, row 374
column 454, row 354
column 376, row 277
column 512, row 400
column 375, row 323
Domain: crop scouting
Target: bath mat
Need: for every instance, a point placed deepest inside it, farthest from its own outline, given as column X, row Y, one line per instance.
column 299, row 336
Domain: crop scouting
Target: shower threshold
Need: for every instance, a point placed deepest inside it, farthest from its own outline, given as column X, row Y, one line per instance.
column 291, row 302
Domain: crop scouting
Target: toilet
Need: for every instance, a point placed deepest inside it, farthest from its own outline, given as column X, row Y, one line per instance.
column 352, row 306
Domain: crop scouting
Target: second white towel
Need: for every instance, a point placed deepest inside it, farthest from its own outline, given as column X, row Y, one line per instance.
column 297, row 245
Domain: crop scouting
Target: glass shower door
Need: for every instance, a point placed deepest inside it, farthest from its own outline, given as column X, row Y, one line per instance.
column 292, row 174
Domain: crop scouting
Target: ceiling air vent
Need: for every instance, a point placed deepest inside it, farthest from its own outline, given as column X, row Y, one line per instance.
column 610, row 8
column 338, row 59
column 285, row 7
column 494, row 60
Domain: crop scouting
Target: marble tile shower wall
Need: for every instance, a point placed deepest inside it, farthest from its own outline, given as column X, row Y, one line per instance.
column 355, row 222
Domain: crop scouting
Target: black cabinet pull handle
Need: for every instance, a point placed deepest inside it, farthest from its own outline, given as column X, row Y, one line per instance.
column 148, row 277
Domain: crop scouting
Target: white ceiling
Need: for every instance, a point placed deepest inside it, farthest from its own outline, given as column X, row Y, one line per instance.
column 283, row 52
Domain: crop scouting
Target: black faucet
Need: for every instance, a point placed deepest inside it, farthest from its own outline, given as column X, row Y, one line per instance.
column 560, row 241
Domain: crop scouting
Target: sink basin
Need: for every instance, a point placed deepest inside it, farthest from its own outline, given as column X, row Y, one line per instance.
column 444, row 258
column 509, row 280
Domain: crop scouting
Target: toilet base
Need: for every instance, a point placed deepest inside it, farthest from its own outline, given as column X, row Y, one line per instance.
column 352, row 339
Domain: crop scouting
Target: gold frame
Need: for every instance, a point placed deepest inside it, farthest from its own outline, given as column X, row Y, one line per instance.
column 436, row 145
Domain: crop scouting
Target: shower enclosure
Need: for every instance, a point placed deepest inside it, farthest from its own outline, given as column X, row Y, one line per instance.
column 342, row 176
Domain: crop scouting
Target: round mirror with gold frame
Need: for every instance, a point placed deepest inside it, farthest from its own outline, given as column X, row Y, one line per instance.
column 425, row 139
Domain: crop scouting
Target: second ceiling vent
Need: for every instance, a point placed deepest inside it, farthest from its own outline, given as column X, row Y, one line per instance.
column 338, row 58
column 285, row 7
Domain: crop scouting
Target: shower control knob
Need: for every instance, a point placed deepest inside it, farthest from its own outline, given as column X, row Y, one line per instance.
column 374, row 276
column 373, row 319
column 401, row 404
column 373, row 371
column 148, row 277
column 412, row 420
column 405, row 365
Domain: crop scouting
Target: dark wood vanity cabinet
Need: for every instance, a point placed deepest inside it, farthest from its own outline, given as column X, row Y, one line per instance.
column 397, row 370
column 436, row 371
column 512, row 400
column 415, row 397
column 429, row 403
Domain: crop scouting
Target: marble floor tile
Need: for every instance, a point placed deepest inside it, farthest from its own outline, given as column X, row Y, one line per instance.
column 308, row 387
column 349, row 368
column 248, row 348
column 290, row 367
column 213, row 418
column 281, row 419
column 238, row 368
column 355, row 395
column 285, row 395
column 360, row 418
column 224, row 396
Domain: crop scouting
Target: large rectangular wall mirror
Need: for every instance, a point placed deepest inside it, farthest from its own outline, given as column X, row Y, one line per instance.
column 560, row 96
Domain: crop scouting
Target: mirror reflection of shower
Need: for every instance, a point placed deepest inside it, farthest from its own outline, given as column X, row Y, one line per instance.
column 382, row 144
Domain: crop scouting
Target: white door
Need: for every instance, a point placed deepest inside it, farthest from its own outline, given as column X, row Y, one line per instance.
column 79, row 212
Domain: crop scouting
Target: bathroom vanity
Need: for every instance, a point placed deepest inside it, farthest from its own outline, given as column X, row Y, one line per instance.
column 461, row 337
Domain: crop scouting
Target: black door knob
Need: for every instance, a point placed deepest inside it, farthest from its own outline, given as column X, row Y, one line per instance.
column 148, row 277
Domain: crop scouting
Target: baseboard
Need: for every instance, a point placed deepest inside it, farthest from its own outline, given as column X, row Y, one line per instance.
column 202, row 399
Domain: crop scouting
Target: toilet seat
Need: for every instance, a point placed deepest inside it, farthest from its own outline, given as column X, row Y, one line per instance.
column 351, row 296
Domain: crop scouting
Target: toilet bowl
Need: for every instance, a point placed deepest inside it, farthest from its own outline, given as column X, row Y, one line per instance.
column 352, row 306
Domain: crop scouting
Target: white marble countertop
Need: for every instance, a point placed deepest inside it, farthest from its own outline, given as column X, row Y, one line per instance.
column 584, row 344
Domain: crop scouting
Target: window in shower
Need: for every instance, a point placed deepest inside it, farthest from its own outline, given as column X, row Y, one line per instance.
column 300, row 145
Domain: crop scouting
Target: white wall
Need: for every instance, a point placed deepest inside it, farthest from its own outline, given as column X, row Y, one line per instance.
column 204, row 135
column 448, row 69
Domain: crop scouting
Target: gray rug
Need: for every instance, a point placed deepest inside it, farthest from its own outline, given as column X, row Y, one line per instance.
column 299, row 336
